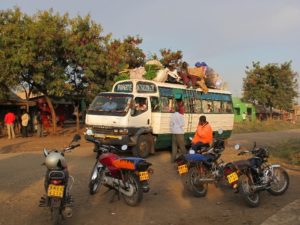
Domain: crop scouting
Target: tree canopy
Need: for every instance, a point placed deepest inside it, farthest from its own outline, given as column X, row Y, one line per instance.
column 272, row 85
column 59, row 56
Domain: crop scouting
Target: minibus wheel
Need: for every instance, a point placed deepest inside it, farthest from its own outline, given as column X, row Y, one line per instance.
column 143, row 147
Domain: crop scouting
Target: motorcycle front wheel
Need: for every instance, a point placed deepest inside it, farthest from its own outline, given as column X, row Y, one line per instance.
column 133, row 185
column 280, row 182
column 95, row 180
column 195, row 186
column 251, row 197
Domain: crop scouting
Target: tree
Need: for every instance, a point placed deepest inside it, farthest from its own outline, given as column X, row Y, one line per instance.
column 84, row 54
column 272, row 86
column 34, row 53
column 49, row 53
column 170, row 58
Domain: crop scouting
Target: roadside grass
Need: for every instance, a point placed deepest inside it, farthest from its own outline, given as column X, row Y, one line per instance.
column 261, row 126
column 287, row 151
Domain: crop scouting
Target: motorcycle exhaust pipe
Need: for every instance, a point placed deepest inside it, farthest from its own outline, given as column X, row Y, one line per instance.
column 202, row 180
column 258, row 188
column 116, row 183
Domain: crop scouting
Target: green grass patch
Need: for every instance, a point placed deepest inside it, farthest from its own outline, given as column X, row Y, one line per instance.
column 261, row 126
column 288, row 151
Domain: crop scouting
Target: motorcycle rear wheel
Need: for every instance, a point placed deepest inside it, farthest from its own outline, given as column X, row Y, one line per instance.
column 55, row 215
column 251, row 198
column 197, row 188
column 137, row 196
column 280, row 182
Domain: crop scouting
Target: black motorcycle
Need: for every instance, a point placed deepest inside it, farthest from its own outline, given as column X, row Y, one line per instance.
column 202, row 166
column 57, row 185
column 255, row 174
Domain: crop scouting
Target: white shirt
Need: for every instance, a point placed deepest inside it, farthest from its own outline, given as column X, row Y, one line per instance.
column 177, row 123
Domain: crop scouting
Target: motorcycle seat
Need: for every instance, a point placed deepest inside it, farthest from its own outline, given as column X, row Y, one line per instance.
column 242, row 164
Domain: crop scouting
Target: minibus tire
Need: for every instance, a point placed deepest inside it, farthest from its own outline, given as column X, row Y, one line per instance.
column 143, row 147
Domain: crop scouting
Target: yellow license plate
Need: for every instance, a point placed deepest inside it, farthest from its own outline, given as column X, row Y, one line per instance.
column 56, row 190
column 144, row 175
column 232, row 177
column 182, row 169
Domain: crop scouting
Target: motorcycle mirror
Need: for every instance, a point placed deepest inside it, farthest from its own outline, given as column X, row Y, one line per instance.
column 220, row 131
column 46, row 153
column 124, row 147
column 237, row 147
column 190, row 138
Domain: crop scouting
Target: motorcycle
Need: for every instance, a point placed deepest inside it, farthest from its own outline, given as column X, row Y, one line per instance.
column 128, row 176
column 255, row 174
column 202, row 167
column 57, row 183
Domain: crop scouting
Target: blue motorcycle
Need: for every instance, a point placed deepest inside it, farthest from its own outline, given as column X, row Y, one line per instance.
column 202, row 166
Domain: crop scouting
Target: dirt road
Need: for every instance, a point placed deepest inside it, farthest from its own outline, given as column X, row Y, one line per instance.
column 21, row 185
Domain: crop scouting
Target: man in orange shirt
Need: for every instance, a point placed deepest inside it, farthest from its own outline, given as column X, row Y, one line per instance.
column 203, row 136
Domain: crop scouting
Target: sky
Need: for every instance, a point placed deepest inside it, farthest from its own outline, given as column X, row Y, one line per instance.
column 227, row 35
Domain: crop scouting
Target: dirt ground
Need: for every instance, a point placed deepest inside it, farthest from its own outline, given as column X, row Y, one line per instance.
column 167, row 203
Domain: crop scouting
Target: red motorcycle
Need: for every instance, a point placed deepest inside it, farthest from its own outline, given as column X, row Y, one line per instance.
column 128, row 176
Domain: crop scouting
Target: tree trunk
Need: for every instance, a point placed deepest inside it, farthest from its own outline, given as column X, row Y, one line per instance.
column 271, row 112
column 76, row 110
column 53, row 114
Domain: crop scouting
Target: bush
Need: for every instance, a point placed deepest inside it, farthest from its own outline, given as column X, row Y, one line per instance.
column 260, row 126
column 288, row 151
column 151, row 71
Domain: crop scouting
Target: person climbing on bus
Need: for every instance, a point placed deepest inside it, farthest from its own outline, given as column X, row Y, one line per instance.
column 203, row 136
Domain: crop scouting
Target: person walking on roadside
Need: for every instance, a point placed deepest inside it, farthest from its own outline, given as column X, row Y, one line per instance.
column 9, row 120
column 177, row 130
column 203, row 136
column 25, row 120
column 39, row 124
column 244, row 116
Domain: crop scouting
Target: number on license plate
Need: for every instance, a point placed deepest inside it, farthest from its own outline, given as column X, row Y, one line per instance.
column 144, row 175
column 56, row 190
column 232, row 177
column 182, row 169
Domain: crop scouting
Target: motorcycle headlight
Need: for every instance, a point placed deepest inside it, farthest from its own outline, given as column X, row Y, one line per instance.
column 192, row 151
column 89, row 132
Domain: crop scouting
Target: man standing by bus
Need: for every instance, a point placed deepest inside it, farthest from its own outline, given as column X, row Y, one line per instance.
column 177, row 129
column 203, row 136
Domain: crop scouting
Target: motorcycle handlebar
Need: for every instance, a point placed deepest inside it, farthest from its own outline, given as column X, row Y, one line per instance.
column 100, row 146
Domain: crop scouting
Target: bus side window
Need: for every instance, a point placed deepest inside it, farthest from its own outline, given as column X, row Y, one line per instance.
column 197, row 106
column 155, row 104
column 171, row 105
column 207, row 106
column 187, row 105
column 167, row 104
column 217, row 107
column 228, row 107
